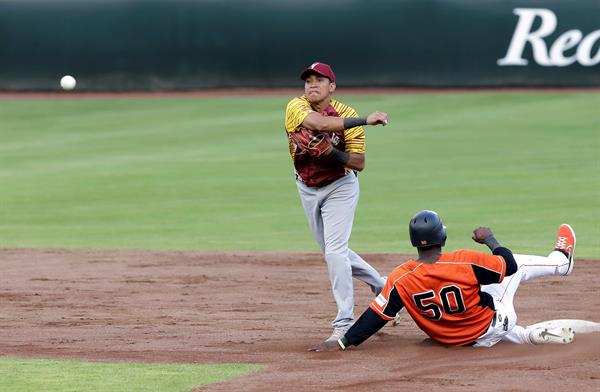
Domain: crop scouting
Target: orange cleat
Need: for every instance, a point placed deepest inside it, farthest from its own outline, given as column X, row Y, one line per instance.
column 565, row 243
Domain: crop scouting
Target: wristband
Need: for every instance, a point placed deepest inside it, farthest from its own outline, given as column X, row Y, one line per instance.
column 340, row 156
column 491, row 242
column 351, row 122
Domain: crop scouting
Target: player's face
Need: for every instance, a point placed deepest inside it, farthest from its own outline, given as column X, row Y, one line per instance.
column 317, row 88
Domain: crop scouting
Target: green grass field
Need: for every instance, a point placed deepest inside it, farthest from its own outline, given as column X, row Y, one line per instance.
column 215, row 174
column 75, row 376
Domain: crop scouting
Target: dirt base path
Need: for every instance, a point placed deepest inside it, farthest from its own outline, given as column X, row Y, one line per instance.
column 270, row 308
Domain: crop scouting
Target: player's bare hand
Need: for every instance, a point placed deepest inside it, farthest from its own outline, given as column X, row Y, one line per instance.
column 377, row 118
column 328, row 345
column 481, row 233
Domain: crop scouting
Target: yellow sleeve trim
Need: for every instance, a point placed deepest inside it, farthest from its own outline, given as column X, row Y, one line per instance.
column 355, row 140
column 354, row 137
column 295, row 113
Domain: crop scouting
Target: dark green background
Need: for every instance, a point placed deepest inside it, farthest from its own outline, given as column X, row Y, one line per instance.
column 191, row 44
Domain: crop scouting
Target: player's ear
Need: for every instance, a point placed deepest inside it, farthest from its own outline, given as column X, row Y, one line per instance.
column 332, row 87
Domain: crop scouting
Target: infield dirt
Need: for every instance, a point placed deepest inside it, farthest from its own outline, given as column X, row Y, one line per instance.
column 270, row 308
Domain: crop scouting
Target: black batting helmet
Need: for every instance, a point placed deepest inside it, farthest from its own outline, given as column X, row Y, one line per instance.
column 426, row 229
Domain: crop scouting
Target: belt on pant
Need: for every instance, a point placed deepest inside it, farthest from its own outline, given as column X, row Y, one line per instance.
column 299, row 179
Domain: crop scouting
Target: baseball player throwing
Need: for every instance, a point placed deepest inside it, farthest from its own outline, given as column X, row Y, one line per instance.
column 462, row 298
column 327, row 145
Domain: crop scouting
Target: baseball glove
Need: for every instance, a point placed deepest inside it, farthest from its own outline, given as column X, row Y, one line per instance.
column 311, row 143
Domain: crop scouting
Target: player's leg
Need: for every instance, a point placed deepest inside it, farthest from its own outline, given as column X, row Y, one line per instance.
column 504, row 293
column 337, row 210
column 505, row 328
column 311, row 202
column 537, row 335
column 503, row 323
column 528, row 267
column 518, row 335
column 361, row 270
column 556, row 331
column 339, row 272
column 364, row 272
column 558, row 262
column 579, row 326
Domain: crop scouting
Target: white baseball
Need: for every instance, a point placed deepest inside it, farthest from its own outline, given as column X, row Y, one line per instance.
column 68, row 82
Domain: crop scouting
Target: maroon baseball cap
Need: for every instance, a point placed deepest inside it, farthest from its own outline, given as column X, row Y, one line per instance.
column 320, row 69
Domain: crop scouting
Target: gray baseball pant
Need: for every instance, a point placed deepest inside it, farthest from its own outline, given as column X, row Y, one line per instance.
column 330, row 213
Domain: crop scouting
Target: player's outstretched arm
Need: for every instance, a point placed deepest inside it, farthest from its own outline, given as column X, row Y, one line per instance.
column 320, row 123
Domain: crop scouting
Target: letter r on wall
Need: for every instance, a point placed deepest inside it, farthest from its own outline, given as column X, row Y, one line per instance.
column 523, row 34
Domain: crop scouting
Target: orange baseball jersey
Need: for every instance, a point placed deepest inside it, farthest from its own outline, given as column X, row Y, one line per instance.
column 444, row 298
column 322, row 170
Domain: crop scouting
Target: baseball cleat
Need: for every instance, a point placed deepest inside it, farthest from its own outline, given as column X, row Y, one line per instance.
column 337, row 334
column 565, row 243
column 552, row 335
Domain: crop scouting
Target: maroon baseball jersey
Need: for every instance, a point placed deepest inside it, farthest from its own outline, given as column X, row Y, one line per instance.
column 321, row 171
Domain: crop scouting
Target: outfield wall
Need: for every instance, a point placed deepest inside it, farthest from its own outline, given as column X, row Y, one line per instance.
column 194, row 44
